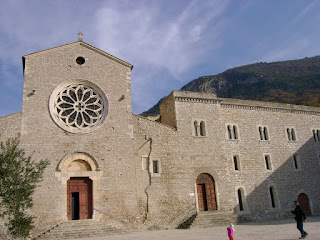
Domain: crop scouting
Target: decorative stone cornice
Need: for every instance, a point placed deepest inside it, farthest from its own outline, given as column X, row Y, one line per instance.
column 209, row 98
column 196, row 100
column 271, row 109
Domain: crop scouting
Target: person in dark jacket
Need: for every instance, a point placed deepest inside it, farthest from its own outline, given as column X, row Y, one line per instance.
column 300, row 217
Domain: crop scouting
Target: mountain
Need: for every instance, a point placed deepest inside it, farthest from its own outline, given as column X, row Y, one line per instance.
column 294, row 81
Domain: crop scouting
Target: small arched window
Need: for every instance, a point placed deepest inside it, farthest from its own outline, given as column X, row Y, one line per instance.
column 316, row 135
column 288, row 134
column 229, row 132
column 267, row 162
column 293, row 134
column 235, row 133
column 263, row 133
column 196, row 128
column 232, row 132
column 202, row 129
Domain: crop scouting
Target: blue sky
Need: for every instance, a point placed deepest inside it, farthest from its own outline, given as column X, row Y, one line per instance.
column 169, row 42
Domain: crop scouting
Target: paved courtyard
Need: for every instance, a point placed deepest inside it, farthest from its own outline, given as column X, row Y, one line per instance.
column 271, row 230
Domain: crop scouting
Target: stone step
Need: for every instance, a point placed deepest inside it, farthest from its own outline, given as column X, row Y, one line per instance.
column 212, row 219
column 79, row 229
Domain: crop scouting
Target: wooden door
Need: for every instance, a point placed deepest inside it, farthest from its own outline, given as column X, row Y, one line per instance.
column 206, row 192
column 201, row 191
column 304, row 203
column 211, row 196
column 82, row 186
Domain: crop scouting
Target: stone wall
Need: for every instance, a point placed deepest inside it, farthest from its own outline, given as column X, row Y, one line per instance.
column 120, row 155
column 213, row 153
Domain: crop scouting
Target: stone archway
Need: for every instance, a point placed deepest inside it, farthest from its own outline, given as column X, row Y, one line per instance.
column 79, row 174
column 303, row 200
column 206, row 192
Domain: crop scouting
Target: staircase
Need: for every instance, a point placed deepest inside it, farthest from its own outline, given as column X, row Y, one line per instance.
column 79, row 229
column 211, row 219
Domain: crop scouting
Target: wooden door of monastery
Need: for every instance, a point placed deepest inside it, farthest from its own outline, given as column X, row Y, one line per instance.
column 79, row 198
column 304, row 203
column 206, row 192
column 211, row 196
column 202, row 200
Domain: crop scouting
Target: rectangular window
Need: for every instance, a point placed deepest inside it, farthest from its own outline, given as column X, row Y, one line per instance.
column 236, row 163
column 267, row 162
column 272, row 197
column 155, row 166
column 296, row 162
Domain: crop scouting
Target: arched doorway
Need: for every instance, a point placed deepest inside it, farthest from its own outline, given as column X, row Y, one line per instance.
column 206, row 192
column 303, row 200
column 79, row 174
column 79, row 198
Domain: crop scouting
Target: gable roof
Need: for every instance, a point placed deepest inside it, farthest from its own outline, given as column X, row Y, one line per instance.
column 84, row 44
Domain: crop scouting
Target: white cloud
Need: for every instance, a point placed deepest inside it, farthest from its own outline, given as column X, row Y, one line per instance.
column 158, row 42
column 305, row 11
column 147, row 37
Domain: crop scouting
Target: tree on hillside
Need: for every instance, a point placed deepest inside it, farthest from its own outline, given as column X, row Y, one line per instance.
column 19, row 176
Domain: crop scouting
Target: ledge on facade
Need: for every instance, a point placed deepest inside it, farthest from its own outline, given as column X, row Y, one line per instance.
column 201, row 97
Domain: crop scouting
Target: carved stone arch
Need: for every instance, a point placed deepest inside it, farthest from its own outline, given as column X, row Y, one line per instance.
column 78, row 156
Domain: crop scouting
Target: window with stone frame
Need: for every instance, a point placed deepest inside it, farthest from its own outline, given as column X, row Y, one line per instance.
column 241, row 200
column 232, row 131
column 236, row 162
column 263, row 133
column 291, row 134
column 273, row 196
column 296, row 162
column 316, row 135
column 199, row 128
column 155, row 168
column 267, row 161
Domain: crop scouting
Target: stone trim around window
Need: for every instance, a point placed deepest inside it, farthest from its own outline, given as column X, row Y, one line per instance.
column 199, row 128
column 232, row 131
column 155, row 168
column 263, row 133
column 78, row 106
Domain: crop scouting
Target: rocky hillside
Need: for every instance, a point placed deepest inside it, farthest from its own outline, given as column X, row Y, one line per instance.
column 294, row 81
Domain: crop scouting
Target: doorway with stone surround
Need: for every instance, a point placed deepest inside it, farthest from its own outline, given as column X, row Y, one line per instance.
column 79, row 198
column 206, row 192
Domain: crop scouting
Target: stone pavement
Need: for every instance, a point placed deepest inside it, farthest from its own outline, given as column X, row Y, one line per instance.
column 270, row 230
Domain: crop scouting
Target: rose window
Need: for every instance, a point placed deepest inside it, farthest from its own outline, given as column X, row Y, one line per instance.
column 78, row 107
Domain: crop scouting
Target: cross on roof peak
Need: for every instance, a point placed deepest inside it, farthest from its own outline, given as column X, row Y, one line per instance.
column 80, row 37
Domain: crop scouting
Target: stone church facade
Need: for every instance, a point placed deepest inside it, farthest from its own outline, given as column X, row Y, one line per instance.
column 230, row 157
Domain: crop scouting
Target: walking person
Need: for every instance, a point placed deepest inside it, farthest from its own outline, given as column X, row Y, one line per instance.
column 230, row 231
column 300, row 217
